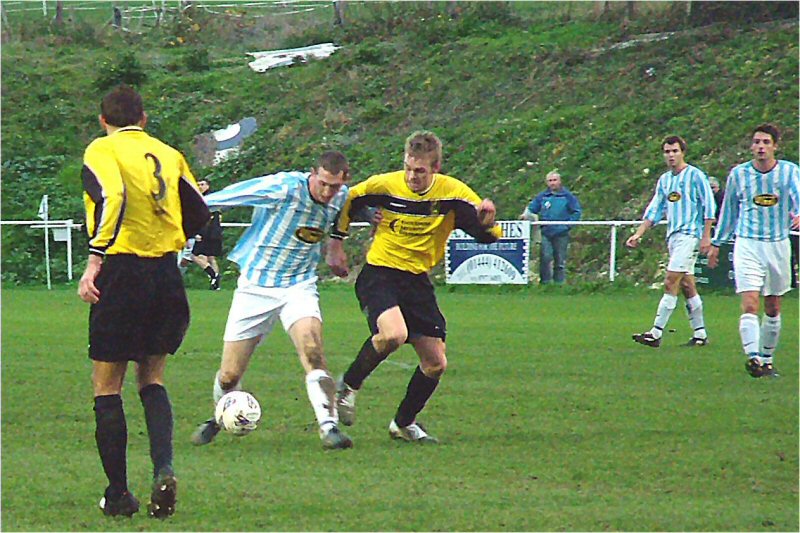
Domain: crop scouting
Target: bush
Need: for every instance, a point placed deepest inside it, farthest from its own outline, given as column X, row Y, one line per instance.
column 197, row 60
column 128, row 70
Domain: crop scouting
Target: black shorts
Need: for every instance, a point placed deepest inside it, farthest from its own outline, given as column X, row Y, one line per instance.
column 208, row 247
column 381, row 288
column 142, row 310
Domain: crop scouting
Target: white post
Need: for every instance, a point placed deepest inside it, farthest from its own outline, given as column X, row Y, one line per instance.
column 44, row 7
column 69, row 249
column 47, row 241
column 612, row 261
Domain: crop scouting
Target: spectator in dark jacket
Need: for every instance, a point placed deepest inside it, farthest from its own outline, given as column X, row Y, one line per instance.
column 553, row 204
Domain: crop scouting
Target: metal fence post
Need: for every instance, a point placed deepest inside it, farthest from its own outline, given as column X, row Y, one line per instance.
column 612, row 262
column 69, row 249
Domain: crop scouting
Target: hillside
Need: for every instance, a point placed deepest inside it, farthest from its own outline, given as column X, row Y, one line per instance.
column 513, row 90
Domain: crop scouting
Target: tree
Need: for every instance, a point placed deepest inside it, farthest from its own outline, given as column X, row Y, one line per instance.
column 59, row 20
column 338, row 12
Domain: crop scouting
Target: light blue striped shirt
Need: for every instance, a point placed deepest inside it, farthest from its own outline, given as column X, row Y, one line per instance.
column 757, row 204
column 687, row 199
column 283, row 245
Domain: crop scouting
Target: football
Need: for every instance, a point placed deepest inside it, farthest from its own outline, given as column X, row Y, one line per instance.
column 238, row 412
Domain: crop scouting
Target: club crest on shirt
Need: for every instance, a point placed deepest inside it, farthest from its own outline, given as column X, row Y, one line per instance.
column 309, row 235
column 674, row 196
column 765, row 200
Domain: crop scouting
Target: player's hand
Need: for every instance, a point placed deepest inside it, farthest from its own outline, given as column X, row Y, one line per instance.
column 377, row 218
column 633, row 241
column 336, row 258
column 198, row 238
column 796, row 223
column 487, row 213
column 713, row 256
column 87, row 290
column 705, row 245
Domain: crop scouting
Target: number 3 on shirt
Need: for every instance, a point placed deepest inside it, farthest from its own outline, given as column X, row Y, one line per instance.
column 161, row 194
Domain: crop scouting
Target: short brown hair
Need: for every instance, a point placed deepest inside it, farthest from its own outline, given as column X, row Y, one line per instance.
column 334, row 162
column 769, row 129
column 424, row 144
column 674, row 139
column 122, row 107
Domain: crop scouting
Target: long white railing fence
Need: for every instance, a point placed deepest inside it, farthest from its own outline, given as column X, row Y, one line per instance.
column 62, row 231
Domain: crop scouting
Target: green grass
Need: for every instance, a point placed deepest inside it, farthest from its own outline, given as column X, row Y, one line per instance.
column 550, row 418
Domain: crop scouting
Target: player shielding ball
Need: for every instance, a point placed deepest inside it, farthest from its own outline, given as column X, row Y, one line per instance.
column 761, row 196
column 278, row 257
column 419, row 207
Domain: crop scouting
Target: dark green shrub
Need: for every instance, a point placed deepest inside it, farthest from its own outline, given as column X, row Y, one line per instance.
column 196, row 60
column 127, row 70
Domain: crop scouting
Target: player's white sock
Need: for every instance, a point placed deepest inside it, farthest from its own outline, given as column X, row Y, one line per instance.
column 749, row 331
column 770, row 332
column 694, row 306
column 322, row 395
column 665, row 308
column 219, row 392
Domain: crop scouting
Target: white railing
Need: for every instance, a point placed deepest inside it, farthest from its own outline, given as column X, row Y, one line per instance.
column 612, row 247
column 62, row 232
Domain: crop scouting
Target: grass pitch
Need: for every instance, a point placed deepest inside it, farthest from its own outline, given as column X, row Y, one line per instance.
column 550, row 418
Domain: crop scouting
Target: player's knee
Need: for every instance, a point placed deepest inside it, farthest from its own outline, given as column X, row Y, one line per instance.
column 390, row 341
column 228, row 380
column 772, row 307
column 314, row 355
column 396, row 341
column 436, row 369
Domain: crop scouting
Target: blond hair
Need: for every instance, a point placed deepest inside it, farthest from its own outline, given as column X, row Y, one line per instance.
column 424, row 144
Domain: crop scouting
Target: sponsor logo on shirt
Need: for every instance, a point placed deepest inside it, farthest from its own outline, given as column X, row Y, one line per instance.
column 674, row 196
column 309, row 235
column 765, row 200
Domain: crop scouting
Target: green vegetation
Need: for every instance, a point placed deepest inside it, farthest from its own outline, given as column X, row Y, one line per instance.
column 513, row 89
column 549, row 420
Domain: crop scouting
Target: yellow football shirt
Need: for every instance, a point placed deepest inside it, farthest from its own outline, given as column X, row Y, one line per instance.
column 139, row 195
column 415, row 227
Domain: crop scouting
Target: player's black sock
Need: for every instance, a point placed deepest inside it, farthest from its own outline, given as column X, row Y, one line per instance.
column 420, row 388
column 111, row 435
column 366, row 361
column 158, row 415
column 210, row 272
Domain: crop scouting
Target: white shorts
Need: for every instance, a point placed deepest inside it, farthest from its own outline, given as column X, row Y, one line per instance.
column 762, row 266
column 682, row 253
column 255, row 309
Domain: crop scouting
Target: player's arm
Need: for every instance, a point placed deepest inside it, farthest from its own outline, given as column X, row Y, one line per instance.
column 794, row 197
column 706, row 196
column 728, row 214
column 103, row 196
column 354, row 204
column 652, row 214
column 104, row 202
column 264, row 191
column 633, row 240
column 194, row 211
column 477, row 217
